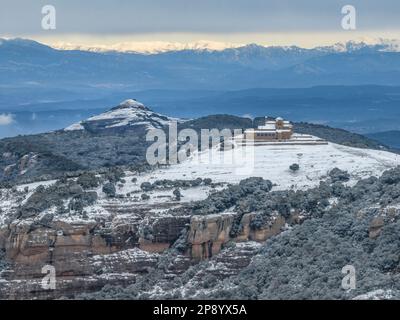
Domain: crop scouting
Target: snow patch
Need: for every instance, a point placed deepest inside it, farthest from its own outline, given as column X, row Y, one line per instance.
column 272, row 162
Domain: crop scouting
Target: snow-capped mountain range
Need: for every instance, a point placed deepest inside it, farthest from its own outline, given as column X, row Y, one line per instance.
column 128, row 113
column 148, row 47
column 154, row 47
column 201, row 67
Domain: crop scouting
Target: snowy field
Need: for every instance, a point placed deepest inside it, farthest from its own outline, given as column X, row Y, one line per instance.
column 272, row 162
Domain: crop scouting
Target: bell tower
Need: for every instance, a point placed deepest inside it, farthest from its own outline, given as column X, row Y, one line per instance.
column 279, row 123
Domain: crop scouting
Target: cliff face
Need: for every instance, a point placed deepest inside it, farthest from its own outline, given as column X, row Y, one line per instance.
column 84, row 254
column 208, row 234
column 88, row 255
column 77, row 275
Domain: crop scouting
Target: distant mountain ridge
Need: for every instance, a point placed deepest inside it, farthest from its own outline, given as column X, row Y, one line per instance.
column 154, row 47
column 29, row 63
column 390, row 138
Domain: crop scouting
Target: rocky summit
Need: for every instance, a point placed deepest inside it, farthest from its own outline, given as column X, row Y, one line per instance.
column 128, row 113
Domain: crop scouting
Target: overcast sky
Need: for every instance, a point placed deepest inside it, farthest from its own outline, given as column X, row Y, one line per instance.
column 191, row 20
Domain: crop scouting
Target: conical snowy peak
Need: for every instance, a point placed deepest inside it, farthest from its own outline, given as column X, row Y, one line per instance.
column 128, row 113
column 131, row 104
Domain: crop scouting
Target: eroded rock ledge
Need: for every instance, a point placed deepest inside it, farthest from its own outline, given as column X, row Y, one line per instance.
column 90, row 255
column 208, row 234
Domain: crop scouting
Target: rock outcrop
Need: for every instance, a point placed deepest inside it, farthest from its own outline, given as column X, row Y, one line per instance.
column 89, row 254
column 208, row 234
column 84, row 254
column 90, row 274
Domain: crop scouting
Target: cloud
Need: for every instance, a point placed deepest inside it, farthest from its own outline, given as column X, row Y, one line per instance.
column 6, row 119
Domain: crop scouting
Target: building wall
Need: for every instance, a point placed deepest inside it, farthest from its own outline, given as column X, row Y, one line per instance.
column 255, row 136
column 264, row 137
column 284, row 135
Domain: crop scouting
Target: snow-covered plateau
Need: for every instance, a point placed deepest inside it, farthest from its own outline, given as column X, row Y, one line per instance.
column 270, row 162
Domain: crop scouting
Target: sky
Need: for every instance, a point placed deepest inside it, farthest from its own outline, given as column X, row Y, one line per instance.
column 305, row 23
